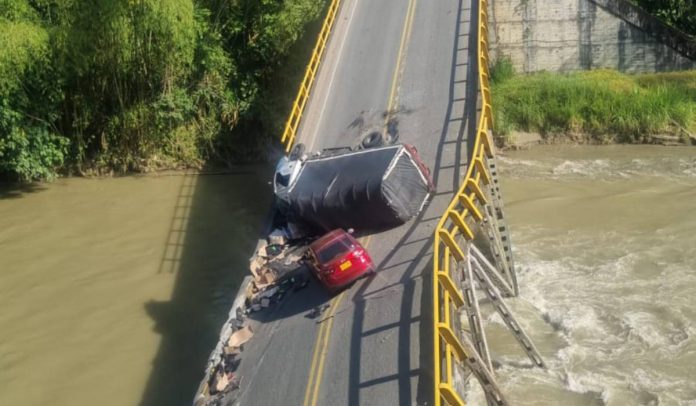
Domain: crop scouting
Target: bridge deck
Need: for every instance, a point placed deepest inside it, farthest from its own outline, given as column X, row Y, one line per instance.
column 375, row 348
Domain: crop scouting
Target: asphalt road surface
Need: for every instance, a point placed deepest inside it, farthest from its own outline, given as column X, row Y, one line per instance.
column 391, row 65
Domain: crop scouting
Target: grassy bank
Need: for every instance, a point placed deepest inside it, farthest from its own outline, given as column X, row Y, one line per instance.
column 601, row 105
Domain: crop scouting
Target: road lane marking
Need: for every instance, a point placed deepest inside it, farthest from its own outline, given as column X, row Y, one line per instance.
column 321, row 346
column 320, row 351
column 317, row 371
column 327, row 334
column 313, row 138
column 315, row 359
column 398, row 69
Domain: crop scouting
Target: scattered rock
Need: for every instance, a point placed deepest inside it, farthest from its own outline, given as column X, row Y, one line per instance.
column 240, row 337
column 317, row 311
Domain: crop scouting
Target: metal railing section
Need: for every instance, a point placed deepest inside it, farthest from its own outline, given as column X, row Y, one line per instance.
column 455, row 224
column 298, row 106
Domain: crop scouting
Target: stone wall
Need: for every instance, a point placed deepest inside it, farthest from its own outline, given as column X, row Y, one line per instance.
column 569, row 35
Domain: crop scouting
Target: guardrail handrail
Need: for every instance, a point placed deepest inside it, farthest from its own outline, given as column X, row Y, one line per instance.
column 453, row 225
column 298, row 106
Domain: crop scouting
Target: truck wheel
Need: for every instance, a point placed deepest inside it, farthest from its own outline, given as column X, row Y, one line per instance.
column 372, row 140
column 296, row 152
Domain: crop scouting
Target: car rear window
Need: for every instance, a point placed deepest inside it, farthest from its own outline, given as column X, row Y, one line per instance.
column 333, row 250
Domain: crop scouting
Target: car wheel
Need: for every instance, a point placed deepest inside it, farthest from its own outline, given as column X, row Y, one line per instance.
column 296, row 152
column 372, row 140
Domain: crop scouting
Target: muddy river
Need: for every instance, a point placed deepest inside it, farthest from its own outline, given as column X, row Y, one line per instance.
column 605, row 242
column 112, row 291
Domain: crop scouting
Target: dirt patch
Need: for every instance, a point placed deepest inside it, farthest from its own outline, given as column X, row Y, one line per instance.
column 519, row 140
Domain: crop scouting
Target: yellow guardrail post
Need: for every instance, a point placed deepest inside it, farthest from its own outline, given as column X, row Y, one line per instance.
column 453, row 226
column 293, row 122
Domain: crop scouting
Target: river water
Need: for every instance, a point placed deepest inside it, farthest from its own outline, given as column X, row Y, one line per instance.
column 605, row 244
column 112, row 291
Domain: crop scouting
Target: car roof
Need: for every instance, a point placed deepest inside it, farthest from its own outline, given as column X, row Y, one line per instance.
column 328, row 238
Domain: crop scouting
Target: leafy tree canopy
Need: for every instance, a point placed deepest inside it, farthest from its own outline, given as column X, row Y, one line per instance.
column 134, row 84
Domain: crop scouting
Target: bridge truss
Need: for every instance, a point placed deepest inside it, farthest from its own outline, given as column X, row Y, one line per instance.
column 461, row 270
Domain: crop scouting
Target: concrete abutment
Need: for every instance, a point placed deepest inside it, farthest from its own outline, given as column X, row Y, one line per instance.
column 571, row 35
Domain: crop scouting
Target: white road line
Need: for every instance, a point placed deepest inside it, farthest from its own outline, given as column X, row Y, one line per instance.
column 313, row 138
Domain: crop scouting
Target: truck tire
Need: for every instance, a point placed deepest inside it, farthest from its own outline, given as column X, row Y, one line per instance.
column 296, row 152
column 372, row 140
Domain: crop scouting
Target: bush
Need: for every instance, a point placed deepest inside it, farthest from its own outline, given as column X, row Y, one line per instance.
column 600, row 103
column 680, row 14
column 129, row 85
column 502, row 70
column 30, row 94
column 32, row 155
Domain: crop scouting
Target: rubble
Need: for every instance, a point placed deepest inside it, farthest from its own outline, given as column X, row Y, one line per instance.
column 239, row 337
column 276, row 268
column 272, row 265
column 224, row 378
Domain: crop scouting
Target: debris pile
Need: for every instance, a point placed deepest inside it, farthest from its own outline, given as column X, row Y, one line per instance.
column 277, row 269
column 223, row 378
column 276, row 266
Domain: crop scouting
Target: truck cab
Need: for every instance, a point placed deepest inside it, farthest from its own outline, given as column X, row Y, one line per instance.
column 285, row 175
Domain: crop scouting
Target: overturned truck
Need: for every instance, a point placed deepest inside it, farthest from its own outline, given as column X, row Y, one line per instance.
column 370, row 189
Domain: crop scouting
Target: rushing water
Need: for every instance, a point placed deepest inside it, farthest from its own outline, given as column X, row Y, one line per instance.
column 112, row 291
column 605, row 243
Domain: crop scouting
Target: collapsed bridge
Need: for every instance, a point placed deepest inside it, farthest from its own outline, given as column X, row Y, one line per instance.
column 414, row 332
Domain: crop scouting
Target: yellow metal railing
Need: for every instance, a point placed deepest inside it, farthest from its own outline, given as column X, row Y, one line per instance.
column 303, row 93
column 455, row 224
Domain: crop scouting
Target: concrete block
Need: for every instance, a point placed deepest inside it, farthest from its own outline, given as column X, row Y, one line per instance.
column 568, row 35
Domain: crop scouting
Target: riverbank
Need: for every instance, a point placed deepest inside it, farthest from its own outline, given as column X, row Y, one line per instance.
column 595, row 107
column 521, row 140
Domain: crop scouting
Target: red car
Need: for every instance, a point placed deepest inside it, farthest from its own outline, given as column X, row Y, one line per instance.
column 338, row 259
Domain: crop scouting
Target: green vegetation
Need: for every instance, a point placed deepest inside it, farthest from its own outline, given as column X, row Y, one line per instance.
column 138, row 84
column 603, row 104
column 680, row 14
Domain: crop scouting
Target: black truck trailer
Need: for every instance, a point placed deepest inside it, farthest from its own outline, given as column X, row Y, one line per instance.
column 369, row 189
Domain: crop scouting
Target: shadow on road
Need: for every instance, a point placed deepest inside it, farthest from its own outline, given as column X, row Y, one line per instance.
column 312, row 299
column 416, row 243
